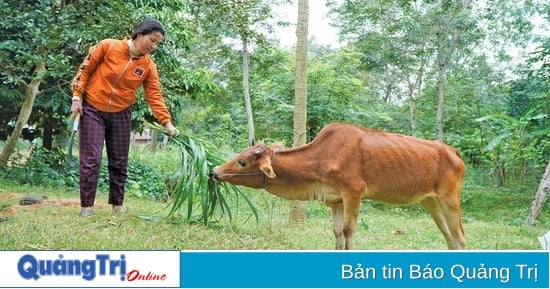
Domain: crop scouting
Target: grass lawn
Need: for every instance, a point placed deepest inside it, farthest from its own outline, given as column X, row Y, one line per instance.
column 493, row 220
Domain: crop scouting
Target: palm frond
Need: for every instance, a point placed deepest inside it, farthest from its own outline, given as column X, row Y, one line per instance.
column 192, row 188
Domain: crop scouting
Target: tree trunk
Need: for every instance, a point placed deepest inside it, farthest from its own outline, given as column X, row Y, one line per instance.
column 297, row 213
column 412, row 107
column 31, row 90
column 440, row 99
column 415, row 87
column 444, row 54
column 154, row 140
column 47, row 139
column 540, row 197
column 388, row 85
column 246, row 93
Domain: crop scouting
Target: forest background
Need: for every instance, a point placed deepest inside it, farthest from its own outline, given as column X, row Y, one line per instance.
column 473, row 73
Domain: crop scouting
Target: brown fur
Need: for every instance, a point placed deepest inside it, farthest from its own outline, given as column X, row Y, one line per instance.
column 346, row 163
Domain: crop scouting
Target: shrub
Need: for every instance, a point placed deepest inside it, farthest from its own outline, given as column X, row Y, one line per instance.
column 49, row 168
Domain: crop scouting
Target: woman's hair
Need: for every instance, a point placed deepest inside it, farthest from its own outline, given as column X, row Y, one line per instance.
column 147, row 26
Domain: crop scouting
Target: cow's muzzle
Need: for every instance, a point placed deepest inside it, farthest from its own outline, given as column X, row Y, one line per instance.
column 213, row 175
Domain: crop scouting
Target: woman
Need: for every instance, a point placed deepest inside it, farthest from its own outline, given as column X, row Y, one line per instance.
column 103, row 91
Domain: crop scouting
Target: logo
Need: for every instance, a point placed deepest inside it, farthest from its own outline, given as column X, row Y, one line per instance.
column 139, row 71
column 31, row 268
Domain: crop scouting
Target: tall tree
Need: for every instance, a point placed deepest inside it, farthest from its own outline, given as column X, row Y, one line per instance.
column 297, row 208
column 540, row 197
column 31, row 91
column 405, row 40
column 542, row 58
column 235, row 21
column 41, row 41
column 246, row 92
column 59, row 33
column 447, row 37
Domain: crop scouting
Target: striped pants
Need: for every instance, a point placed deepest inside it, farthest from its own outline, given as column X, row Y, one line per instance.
column 113, row 130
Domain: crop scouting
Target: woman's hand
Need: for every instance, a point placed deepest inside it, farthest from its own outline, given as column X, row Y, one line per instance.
column 172, row 131
column 76, row 106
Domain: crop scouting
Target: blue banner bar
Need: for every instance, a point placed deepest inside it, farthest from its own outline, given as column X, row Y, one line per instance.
column 365, row 269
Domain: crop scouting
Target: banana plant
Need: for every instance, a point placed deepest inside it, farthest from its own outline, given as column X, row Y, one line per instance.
column 517, row 142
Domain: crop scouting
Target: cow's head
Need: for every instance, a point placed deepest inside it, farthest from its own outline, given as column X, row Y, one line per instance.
column 250, row 167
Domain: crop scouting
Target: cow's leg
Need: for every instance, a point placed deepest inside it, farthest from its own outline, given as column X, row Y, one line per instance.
column 351, row 211
column 338, row 224
column 447, row 217
column 451, row 211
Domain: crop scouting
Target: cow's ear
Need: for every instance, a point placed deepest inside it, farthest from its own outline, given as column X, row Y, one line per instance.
column 277, row 146
column 267, row 170
column 258, row 153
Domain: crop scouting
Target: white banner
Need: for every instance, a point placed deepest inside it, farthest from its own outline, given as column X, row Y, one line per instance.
column 101, row 269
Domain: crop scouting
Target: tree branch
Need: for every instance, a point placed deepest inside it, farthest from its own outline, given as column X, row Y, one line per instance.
column 10, row 75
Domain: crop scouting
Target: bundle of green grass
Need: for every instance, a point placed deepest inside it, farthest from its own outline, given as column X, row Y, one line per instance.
column 192, row 189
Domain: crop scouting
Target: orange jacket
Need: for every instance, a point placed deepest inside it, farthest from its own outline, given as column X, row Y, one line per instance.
column 108, row 79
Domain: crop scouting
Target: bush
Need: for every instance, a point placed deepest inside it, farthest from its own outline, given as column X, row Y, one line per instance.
column 49, row 168
column 150, row 182
column 43, row 168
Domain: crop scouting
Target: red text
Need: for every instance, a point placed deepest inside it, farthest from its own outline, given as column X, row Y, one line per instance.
column 135, row 275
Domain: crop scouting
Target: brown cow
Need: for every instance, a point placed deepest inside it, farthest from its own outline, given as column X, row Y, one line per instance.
column 346, row 163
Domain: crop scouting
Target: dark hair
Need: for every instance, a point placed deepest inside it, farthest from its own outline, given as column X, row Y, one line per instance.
column 147, row 26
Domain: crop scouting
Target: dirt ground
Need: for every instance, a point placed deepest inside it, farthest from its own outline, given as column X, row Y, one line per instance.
column 10, row 204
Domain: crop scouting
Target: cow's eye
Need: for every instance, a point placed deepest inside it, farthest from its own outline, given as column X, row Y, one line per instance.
column 241, row 163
